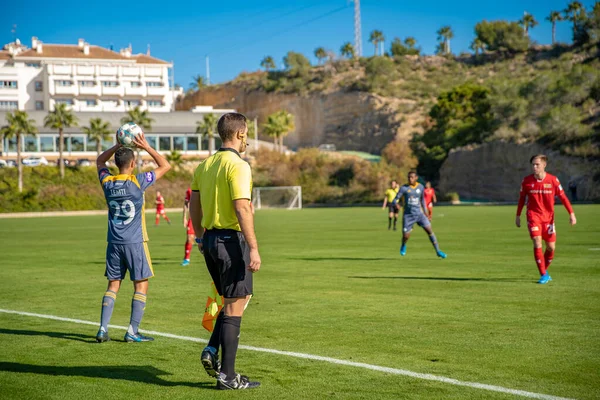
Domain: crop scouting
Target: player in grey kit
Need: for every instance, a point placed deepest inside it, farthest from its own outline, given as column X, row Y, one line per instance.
column 411, row 196
column 127, row 238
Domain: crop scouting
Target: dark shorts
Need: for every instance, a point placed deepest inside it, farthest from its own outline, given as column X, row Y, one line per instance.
column 227, row 258
column 408, row 220
column 134, row 258
column 393, row 209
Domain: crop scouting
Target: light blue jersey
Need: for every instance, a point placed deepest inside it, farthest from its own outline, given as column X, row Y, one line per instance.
column 125, row 199
column 411, row 198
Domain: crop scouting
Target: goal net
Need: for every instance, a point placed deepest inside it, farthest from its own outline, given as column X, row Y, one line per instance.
column 289, row 197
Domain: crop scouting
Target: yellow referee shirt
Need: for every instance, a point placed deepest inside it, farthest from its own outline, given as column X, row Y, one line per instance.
column 391, row 194
column 220, row 179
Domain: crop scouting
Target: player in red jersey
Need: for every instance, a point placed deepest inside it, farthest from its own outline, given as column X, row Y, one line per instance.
column 539, row 189
column 429, row 196
column 160, row 209
column 187, row 223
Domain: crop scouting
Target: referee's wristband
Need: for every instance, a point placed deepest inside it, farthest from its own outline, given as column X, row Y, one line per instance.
column 199, row 240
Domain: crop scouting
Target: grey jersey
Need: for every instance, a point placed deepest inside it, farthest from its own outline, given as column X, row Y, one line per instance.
column 125, row 199
column 411, row 198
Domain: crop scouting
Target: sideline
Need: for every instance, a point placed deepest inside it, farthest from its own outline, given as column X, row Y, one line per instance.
column 43, row 214
column 394, row 371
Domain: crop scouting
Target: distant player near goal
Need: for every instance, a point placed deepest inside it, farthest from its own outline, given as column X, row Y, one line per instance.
column 160, row 209
column 187, row 223
column 388, row 201
column 430, row 199
column 539, row 189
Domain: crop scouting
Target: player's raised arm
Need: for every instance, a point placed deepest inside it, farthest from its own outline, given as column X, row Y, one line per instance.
column 106, row 155
column 163, row 164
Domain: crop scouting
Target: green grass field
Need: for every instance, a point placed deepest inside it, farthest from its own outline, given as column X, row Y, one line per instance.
column 332, row 284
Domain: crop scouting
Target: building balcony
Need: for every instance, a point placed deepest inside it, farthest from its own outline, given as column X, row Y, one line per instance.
column 157, row 91
column 91, row 90
column 72, row 90
column 135, row 91
column 112, row 90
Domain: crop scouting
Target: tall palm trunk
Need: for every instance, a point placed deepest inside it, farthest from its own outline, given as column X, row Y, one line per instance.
column 61, row 148
column 211, row 144
column 553, row 32
column 1, row 145
column 281, row 143
column 98, row 147
column 275, row 143
column 19, row 164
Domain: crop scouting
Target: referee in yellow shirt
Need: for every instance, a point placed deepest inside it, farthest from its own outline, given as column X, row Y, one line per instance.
column 220, row 204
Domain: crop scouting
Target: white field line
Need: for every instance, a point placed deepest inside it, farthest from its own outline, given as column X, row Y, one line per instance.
column 394, row 371
column 595, row 249
column 43, row 214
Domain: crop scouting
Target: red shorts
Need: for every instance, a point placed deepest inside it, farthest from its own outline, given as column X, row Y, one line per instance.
column 545, row 229
column 160, row 210
column 190, row 228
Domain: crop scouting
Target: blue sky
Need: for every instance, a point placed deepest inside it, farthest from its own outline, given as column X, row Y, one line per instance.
column 238, row 34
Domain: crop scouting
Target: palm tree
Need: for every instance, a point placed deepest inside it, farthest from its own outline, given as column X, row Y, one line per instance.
column 321, row 54
column 410, row 42
column 175, row 159
column 288, row 123
column 376, row 38
column 347, row 50
column 272, row 128
column 574, row 13
column 444, row 35
column 139, row 117
column 207, row 128
column 477, row 46
column 198, row 82
column 554, row 17
column 278, row 125
column 97, row 131
column 19, row 124
column 268, row 63
column 528, row 22
column 60, row 119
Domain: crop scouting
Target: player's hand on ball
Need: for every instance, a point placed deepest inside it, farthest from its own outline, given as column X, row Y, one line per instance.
column 140, row 141
column 572, row 219
column 255, row 261
column 518, row 222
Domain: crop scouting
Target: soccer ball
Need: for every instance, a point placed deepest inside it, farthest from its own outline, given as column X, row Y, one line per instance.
column 127, row 133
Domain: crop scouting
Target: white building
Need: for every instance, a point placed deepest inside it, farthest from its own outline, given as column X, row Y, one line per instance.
column 87, row 78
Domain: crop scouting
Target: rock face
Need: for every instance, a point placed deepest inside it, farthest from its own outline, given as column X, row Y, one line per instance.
column 494, row 171
column 350, row 120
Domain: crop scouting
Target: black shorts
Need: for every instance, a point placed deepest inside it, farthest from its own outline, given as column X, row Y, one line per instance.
column 227, row 258
column 393, row 209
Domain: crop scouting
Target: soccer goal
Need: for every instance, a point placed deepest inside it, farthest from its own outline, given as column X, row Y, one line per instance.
column 289, row 197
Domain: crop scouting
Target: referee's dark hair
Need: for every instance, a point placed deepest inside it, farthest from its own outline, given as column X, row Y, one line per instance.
column 229, row 124
column 123, row 157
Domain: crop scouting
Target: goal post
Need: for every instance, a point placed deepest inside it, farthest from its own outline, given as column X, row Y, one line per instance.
column 286, row 197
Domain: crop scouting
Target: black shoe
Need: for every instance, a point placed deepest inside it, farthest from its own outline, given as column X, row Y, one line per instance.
column 238, row 383
column 210, row 362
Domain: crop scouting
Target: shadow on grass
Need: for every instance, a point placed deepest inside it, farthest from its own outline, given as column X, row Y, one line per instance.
column 145, row 374
column 342, row 258
column 61, row 335
column 449, row 279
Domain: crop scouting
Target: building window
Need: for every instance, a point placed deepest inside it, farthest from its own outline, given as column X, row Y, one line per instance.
column 111, row 103
column 179, row 143
column 77, row 143
column 39, row 105
column 68, row 102
column 151, row 141
column 31, row 144
column 164, row 143
column 39, row 86
column 107, row 144
column 136, row 84
column 34, row 65
column 47, row 143
column 12, row 145
column 66, row 142
column 9, row 105
column 154, row 103
column 133, row 103
column 8, row 84
column 87, row 83
column 154, row 84
column 90, row 102
column 63, row 83
column 192, row 143
column 110, row 83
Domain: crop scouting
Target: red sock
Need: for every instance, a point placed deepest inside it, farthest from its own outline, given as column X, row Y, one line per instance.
column 157, row 219
column 188, row 249
column 538, row 255
column 548, row 256
column 167, row 218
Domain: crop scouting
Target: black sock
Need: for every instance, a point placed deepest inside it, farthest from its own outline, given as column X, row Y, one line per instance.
column 395, row 220
column 215, row 338
column 230, row 338
column 389, row 222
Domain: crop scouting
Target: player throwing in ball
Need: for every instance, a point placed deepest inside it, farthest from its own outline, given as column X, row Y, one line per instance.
column 127, row 238
column 413, row 201
column 388, row 201
column 539, row 190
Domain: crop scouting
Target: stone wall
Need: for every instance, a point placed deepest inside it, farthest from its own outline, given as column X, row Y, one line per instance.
column 494, row 171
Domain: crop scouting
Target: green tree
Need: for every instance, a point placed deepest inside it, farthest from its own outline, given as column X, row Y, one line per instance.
column 321, row 54
column 98, row 131
column 296, row 64
column 60, row 119
column 477, row 46
column 554, row 17
column 575, row 12
column 347, row 50
column 376, row 37
column 398, row 48
column 18, row 123
column 445, row 33
column 268, row 63
column 278, row 125
column 410, row 42
column 207, row 128
column 175, row 159
column 502, row 36
column 198, row 82
column 528, row 22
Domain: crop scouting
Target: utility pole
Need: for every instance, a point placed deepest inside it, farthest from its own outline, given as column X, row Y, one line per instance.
column 207, row 71
column 172, row 91
column 357, row 31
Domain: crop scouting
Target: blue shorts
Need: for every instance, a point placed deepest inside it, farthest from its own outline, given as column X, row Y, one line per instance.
column 134, row 258
column 408, row 220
